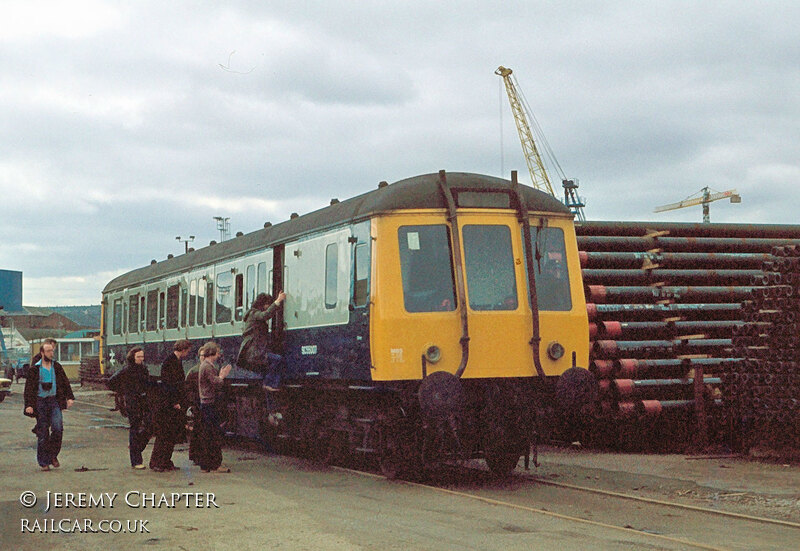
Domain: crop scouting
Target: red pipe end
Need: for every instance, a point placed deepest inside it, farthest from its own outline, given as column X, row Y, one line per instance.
column 624, row 386
column 652, row 407
column 627, row 409
column 613, row 329
column 603, row 368
column 591, row 310
column 584, row 256
column 593, row 330
column 597, row 293
column 607, row 349
column 627, row 368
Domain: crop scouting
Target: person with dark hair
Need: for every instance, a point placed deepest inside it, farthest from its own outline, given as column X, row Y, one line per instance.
column 256, row 352
column 208, row 382
column 47, row 392
column 38, row 356
column 135, row 384
column 168, row 417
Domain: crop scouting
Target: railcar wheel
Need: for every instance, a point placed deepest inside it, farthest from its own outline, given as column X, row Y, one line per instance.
column 501, row 462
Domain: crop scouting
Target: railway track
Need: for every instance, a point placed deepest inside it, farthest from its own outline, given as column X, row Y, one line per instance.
column 670, row 523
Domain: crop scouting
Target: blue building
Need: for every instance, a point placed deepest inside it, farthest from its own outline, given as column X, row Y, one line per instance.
column 11, row 291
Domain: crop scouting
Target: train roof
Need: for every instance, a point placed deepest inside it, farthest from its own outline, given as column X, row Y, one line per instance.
column 411, row 193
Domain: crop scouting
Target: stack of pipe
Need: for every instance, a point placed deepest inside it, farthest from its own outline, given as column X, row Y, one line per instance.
column 665, row 302
column 763, row 390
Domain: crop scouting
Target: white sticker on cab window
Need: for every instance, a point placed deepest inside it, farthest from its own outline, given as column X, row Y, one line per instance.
column 413, row 241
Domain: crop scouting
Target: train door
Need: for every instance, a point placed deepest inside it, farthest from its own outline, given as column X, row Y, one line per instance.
column 498, row 318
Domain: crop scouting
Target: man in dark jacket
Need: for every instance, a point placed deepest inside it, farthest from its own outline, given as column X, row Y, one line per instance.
column 47, row 392
column 168, row 418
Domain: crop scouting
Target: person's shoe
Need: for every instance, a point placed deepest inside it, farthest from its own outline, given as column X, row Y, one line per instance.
column 158, row 469
column 217, row 470
column 274, row 419
column 45, row 467
column 55, row 463
column 139, row 467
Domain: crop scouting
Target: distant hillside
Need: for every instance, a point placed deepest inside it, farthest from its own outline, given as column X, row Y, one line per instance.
column 85, row 316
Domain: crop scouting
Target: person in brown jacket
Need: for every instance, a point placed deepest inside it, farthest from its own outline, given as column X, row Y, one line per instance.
column 209, row 381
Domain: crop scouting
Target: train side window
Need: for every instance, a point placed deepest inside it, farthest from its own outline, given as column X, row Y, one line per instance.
column 133, row 313
column 361, row 274
column 239, row 296
column 162, row 310
column 250, row 294
column 224, row 296
column 426, row 266
column 184, row 305
column 201, row 302
column 152, row 310
column 117, row 324
column 262, row 278
column 551, row 272
column 210, row 301
column 331, row 274
column 173, row 294
column 192, row 302
column 489, row 266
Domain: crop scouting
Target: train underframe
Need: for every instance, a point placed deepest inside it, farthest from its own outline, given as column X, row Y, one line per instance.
column 404, row 427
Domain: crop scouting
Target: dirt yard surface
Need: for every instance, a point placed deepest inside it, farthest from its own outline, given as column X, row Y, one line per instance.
column 273, row 502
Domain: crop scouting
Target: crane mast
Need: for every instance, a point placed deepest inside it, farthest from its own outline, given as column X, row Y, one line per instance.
column 539, row 177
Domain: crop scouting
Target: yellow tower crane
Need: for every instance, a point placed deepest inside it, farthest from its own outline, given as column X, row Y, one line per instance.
column 539, row 178
column 706, row 198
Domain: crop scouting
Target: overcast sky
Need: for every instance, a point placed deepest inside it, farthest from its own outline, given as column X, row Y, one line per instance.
column 126, row 124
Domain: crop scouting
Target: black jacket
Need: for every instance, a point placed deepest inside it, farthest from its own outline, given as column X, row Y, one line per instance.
column 136, row 379
column 172, row 380
column 63, row 388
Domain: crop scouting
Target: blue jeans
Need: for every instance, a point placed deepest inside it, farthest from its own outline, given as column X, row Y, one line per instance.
column 49, row 430
column 276, row 368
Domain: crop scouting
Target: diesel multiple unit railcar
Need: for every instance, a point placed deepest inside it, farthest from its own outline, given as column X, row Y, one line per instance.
column 411, row 330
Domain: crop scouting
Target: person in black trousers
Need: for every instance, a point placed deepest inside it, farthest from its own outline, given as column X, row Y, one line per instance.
column 47, row 392
column 169, row 418
column 135, row 384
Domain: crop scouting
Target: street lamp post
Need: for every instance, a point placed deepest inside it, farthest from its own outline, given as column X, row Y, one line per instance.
column 186, row 242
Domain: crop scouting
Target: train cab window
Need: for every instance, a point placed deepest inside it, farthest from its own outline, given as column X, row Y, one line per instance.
column 173, row 295
column 261, row 287
column 489, row 266
column 426, row 265
column 552, row 276
column 152, row 310
column 331, row 274
column 250, row 289
column 209, row 302
column 201, row 302
column 192, row 302
column 133, row 313
column 239, row 296
column 224, row 296
column 361, row 275
column 117, row 323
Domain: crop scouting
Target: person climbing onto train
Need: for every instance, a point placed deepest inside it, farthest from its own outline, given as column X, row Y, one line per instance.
column 47, row 393
column 168, row 417
column 192, row 401
column 135, row 384
column 256, row 352
column 209, row 381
